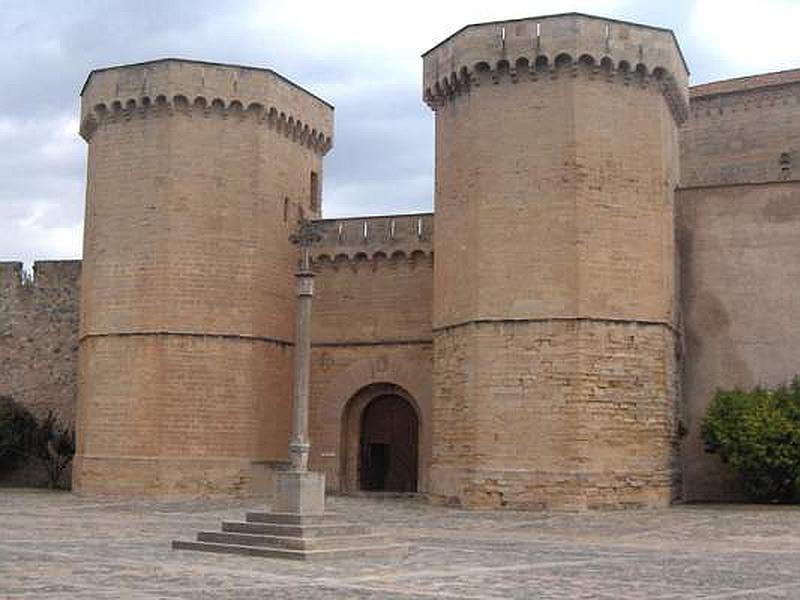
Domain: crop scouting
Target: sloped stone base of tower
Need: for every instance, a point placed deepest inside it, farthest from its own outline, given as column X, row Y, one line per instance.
column 295, row 537
column 477, row 488
column 560, row 414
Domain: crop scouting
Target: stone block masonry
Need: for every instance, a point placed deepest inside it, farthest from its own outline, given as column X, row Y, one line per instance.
column 554, row 292
column 39, row 336
column 610, row 245
column 555, row 414
column 197, row 174
column 39, row 344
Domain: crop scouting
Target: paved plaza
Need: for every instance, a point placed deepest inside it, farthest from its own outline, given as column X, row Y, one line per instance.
column 56, row 545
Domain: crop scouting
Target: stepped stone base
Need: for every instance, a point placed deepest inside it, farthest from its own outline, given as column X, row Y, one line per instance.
column 294, row 536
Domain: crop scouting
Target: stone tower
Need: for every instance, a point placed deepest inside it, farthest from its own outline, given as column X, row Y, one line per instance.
column 554, row 300
column 197, row 172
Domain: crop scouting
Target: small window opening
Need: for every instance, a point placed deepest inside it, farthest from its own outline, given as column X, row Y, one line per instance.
column 786, row 165
column 285, row 210
column 314, row 192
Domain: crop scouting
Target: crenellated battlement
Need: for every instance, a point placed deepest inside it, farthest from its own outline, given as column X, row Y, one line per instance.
column 45, row 274
column 542, row 48
column 170, row 86
column 393, row 238
column 11, row 274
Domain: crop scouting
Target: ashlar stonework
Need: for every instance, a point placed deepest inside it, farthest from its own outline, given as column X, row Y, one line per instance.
column 609, row 245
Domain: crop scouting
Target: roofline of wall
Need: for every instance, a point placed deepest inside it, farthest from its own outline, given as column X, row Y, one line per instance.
column 695, row 91
column 566, row 14
column 737, row 184
column 209, row 64
column 386, row 216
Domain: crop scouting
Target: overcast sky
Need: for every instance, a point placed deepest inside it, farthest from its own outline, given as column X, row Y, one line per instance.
column 363, row 56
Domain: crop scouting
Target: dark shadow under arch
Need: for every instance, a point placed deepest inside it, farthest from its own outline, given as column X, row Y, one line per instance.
column 388, row 445
column 380, row 440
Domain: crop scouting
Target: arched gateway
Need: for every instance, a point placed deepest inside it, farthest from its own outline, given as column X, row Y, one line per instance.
column 380, row 440
column 388, row 446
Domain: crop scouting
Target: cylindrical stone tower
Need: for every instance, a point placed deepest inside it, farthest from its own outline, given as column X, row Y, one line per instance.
column 197, row 173
column 554, row 303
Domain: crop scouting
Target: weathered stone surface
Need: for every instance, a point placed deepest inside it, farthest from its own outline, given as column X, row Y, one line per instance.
column 740, row 264
column 300, row 492
column 197, row 174
column 554, row 296
column 60, row 546
column 39, row 347
column 547, row 349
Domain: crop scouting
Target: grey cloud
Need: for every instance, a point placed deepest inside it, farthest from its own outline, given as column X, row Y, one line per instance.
column 382, row 160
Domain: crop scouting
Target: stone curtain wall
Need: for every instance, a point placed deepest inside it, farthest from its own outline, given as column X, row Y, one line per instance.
column 39, row 336
column 738, row 226
column 743, row 131
column 371, row 325
column 740, row 275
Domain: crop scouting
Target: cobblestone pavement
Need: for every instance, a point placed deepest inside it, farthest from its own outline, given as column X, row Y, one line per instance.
column 56, row 545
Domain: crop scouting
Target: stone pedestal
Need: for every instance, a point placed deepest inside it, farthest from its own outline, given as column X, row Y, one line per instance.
column 297, row 528
column 300, row 492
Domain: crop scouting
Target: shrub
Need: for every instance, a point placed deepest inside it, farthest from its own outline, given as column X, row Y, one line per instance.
column 16, row 423
column 22, row 437
column 758, row 434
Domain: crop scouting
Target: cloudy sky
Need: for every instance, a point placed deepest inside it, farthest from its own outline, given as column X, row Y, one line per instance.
column 363, row 56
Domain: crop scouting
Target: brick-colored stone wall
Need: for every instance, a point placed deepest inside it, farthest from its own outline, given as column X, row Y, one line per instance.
column 554, row 414
column 743, row 131
column 39, row 346
column 541, row 350
column 740, row 266
column 371, row 332
column 39, row 336
column 555, row 173
column 196, row 175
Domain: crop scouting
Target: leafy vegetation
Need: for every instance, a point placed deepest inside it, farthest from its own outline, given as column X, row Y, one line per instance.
column 24, row 438
column 757, row 432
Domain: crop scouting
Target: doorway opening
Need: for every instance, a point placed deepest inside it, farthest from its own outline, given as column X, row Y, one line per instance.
column 388, row 445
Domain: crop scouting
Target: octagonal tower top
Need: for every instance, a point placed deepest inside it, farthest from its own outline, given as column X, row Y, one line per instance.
column 177, row 84
column 539, row 44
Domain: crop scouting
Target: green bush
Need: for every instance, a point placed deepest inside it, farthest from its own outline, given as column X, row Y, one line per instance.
column 23, row 438
column 53, row 445
column 16, row 423
column 758, row 434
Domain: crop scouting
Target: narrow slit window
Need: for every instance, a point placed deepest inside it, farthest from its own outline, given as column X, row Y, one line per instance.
column 285, row 210
column 314, row 192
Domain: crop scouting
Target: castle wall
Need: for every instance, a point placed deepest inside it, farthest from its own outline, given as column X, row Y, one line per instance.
column 743, row 131
column 738, row 222
column 740, row 262
column 554, row 300
column 371, row 329
column 196, row 175
column 39, row 336
column 39, row 344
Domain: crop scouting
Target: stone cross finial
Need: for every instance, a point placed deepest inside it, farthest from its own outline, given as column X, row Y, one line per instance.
column 306, row 234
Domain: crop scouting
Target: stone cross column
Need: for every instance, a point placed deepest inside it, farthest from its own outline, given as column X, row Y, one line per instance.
column 299, row 446
column 298, row 490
